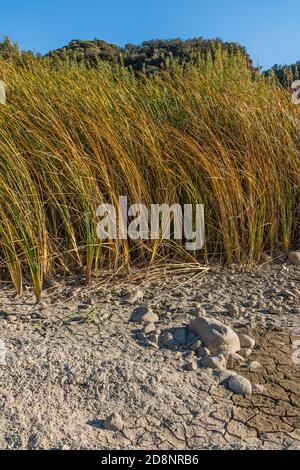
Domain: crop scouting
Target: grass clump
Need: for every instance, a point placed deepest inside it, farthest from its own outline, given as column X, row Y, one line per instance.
column 72, row 138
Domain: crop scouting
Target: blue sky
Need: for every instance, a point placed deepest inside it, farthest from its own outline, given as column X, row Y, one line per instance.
column 268, row 28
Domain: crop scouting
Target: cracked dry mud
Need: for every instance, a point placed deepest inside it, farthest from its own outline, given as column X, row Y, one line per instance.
column 76, row 358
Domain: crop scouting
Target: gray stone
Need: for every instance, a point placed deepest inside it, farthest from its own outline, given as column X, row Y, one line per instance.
column 203, row 352
column 191, row 338
column 240, row 385
column 245, row 353
column 294, row 258
column 233, row 359
column 225, row 375
column 196, row 345
column 233, row 310
column 180, row 334
column 165, row 338
column 214, row 362
column 265, row 259
column 114, row 423
column 12, row 318
column 191, row 366
column 200, row 312
column 149, row 328
column 273, row 310
column 134, row 297
column 143, row 314
column 255, row 366
column 215, row 336
column 153, row 338
column 246, row 342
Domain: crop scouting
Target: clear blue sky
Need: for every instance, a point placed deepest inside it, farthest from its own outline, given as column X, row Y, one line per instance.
column 268, row 28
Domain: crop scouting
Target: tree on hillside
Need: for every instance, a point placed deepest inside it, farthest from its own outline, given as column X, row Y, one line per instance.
column 150, row 56
column 286, row 74
column 9, row 50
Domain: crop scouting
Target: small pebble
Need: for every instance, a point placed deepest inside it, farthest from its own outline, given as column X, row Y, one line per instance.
column 191, row 366
column 240, row 385
column 114, row 423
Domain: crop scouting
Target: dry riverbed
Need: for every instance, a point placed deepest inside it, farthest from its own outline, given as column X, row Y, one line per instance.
column 70, row 362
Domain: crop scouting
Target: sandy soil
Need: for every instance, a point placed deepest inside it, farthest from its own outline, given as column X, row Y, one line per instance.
column 70, row 362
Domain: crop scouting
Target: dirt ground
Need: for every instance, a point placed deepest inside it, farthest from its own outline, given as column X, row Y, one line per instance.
column 71, row 361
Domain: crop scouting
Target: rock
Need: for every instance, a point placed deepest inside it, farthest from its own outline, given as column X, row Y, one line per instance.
column 197, row 311
column 225, row 375
column 215, row 336
column 258, row 389
column 203, row 352
column 233, row 360
column 255, row 366
column 141, row 336
column 114, row 423
column 240, row 385
column 233, row 310
column 33, row 441
column 149, row 328
column 143, row 314
column 196, row 345
column 165, row 338
column 191, row 366
column 294, row 258
column 246, row 342
column 273, row 310
column 201, row 312
column 2, row 92
column 189, row 356
column 153, row 338
column 12, row 318
column 245, row 353
column 265, row 259
column 214, row 362
column 180, row 334
column 191, row 338
column 134, row 297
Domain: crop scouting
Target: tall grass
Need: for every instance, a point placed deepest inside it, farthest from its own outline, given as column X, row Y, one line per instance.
column 212, row 133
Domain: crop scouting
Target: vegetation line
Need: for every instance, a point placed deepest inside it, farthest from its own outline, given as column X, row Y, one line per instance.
column 210, row 131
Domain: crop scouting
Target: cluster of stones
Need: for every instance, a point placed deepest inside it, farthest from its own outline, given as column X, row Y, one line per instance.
column 212, row 345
